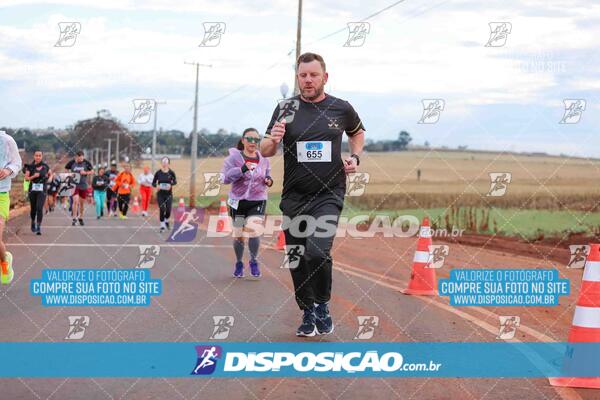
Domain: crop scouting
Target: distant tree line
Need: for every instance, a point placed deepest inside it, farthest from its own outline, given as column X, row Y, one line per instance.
column 93, row 134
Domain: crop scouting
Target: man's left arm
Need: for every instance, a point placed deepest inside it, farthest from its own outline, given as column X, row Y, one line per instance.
column 356, row 139
column 89, row 168
column 356, row 143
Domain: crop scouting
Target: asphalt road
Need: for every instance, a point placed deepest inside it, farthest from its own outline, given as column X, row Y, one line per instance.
column 197, row 285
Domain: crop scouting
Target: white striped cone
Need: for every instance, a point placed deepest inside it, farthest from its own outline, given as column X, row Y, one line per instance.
column 224, row 221
column 422, row 280
column 586, row 320
column 135, row 208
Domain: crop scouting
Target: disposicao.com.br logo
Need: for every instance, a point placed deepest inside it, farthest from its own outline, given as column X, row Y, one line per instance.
column 325, row 363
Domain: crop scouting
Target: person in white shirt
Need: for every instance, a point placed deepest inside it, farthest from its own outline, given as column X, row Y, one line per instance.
column 145, row 180
column 10, row 164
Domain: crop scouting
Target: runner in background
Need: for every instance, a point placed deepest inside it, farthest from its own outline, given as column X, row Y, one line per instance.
column 53, row 185
column 10, row 160
column 124, row 184
column 90, row 195
column 111, row 197
column 164, row 179
column 65, row 189
column 81, row 168
column 145, row 178
column 36, row 174
column 249, row 175
column 100, row 185
column 25, row 183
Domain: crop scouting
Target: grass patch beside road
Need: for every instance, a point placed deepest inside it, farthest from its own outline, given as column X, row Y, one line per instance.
column 528, row 223
column 531, row 224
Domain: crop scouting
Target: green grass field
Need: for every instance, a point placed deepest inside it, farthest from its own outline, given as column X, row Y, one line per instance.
column 527, row 223
column 530, row 224
column 547, row 195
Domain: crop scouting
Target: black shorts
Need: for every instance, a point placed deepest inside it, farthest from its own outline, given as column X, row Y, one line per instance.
column 245, row 209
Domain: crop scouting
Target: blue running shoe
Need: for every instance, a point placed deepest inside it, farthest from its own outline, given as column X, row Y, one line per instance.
column 324, row 323
column 239, row 270
column 307, row 327
column 254, row 270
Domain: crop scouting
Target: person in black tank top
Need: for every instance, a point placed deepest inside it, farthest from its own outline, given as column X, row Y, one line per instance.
column 37, row 175
column 164, row 180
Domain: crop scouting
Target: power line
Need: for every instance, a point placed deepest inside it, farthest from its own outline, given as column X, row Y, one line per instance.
column 345, row 29
column 240, row 88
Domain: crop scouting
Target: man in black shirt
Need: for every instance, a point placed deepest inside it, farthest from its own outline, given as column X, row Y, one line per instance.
column 81, row 168
column 311, row 126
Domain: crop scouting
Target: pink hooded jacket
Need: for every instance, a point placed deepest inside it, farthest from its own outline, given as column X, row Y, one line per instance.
column 249, row 185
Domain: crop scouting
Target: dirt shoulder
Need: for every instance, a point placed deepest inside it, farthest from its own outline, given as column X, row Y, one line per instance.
column 552, row 249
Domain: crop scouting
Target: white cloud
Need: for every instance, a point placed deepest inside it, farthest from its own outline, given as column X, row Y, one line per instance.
column 231, row 7
column 425, row 54
column 413, row 51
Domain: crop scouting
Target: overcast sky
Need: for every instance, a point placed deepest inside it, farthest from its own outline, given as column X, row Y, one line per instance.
column 502, row 97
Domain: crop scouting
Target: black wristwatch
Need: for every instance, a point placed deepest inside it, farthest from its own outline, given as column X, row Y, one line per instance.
column 357, row 158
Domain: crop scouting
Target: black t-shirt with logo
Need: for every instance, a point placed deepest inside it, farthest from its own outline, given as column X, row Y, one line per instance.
column 164, row 179
column 78, row 167
column 100, row 182
column 319, row 126
column 111, row 176
column 38, row 184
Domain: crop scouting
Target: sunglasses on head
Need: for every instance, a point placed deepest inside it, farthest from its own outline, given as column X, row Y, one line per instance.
column 251, row 139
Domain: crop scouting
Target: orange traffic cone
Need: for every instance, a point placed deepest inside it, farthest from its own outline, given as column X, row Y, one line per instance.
column 224, row 221
column 135, row 208
column 586, row 320
column 422, row 280
column 181, row 203
column 280, row 241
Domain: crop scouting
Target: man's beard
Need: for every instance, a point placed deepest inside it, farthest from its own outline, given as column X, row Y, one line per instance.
column 318, row 92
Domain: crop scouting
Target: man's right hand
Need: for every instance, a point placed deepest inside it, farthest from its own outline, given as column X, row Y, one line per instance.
column 278, row 130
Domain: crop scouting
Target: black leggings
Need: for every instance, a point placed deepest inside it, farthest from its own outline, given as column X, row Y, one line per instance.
column 36, row 201
column 165, row 201
column 109, row 196
column 123, row 200
column 313, row 275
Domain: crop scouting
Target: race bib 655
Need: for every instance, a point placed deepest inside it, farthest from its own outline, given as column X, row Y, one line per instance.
column 313, row 151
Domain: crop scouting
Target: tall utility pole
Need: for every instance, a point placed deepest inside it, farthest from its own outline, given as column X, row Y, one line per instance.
column 194, row 149
column 109, row 142
column 156, row 103
column 117, row 150
column 298, row 44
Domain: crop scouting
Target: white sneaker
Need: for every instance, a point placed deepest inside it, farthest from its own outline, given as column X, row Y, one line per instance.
column 163, row 226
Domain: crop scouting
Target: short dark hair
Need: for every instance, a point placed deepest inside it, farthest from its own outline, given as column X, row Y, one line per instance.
column 309, row 57
column 79, row 153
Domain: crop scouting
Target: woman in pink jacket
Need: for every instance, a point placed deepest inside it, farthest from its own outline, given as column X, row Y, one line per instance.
column 248, row 173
